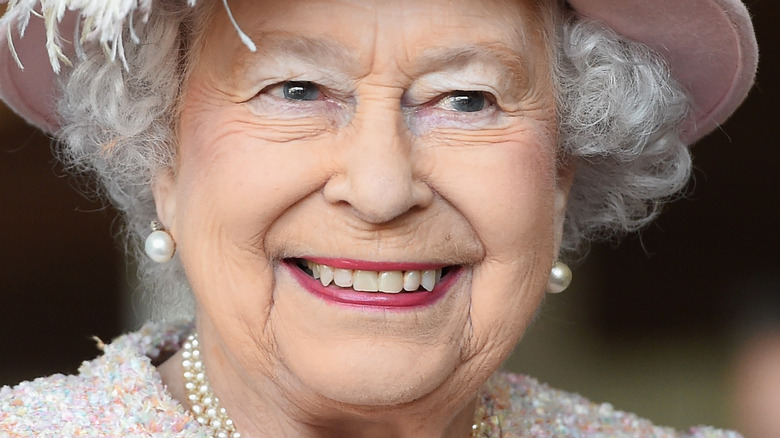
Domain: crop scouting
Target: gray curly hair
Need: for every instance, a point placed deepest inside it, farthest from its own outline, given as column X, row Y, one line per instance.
column 619, row 114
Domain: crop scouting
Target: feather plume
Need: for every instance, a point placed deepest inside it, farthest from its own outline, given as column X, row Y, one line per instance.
column 100, row 21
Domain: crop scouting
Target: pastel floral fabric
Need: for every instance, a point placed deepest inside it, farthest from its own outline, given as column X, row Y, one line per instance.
column 120, row 394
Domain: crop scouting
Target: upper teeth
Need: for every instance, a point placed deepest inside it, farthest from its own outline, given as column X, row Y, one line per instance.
column 376, row 281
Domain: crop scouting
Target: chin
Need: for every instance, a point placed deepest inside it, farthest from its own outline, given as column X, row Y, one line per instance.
column 365, row 355
column 376, row 374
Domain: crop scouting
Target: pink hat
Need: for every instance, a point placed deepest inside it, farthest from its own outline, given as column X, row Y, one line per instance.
column 709, row 45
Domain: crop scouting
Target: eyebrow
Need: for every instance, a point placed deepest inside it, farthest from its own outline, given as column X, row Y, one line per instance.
column 514, row 66
column 316, row 51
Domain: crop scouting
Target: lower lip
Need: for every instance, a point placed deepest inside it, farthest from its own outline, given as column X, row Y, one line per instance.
column 379, row 300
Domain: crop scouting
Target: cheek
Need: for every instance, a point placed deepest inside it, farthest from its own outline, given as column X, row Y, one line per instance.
column 504, row 185
column 243, row 181
column 231, row 186
column 505, row 189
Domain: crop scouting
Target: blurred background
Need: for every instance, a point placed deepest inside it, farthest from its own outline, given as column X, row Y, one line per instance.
column 680, row 324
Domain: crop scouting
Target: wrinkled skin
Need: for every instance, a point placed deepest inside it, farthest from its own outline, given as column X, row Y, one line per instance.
column 374, row 152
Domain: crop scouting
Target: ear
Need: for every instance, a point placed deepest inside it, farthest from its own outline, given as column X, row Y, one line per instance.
column 164, row 191
column 566, row 171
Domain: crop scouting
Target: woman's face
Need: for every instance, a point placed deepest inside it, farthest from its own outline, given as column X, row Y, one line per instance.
column 379, row 144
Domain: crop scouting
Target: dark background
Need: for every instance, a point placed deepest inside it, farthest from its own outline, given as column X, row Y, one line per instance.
column 691, row 275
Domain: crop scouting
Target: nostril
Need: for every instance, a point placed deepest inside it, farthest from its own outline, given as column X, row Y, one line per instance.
column 380, row 199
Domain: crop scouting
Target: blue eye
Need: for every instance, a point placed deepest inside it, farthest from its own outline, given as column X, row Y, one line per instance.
column 464, row 101
column 302, row 91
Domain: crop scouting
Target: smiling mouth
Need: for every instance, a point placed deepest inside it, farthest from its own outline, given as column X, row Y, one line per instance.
column 389, row 282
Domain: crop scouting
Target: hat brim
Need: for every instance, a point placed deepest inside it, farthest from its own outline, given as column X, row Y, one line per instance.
column 31, row 92
column 709, row 45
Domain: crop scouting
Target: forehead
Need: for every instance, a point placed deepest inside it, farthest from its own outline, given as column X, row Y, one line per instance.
column 357, row 32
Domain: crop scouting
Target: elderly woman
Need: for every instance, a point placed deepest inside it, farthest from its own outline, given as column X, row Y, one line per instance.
column 359, row 202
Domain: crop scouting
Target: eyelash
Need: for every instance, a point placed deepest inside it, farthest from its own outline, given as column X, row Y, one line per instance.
column 487, row 100
column 280, row 89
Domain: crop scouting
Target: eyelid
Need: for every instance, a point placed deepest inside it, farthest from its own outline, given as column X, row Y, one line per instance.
column 325, row 108
column 425, row 94
column 467, row 79
column 329, row 93
column 429, row 118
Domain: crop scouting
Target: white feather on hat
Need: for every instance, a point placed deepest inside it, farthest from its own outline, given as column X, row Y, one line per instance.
column 103, row 21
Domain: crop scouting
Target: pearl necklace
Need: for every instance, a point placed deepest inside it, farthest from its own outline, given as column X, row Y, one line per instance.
column 205, row 405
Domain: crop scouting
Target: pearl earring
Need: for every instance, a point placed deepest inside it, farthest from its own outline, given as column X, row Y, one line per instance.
column 560, row 278
column 159, row 245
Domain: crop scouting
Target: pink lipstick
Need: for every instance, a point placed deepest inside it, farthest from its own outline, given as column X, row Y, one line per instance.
column 378, row 300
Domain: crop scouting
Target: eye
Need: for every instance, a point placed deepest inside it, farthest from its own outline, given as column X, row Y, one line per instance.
column 464, row 101
column 302, row 91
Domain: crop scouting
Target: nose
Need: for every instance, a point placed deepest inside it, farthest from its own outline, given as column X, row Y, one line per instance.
column 377, row 177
